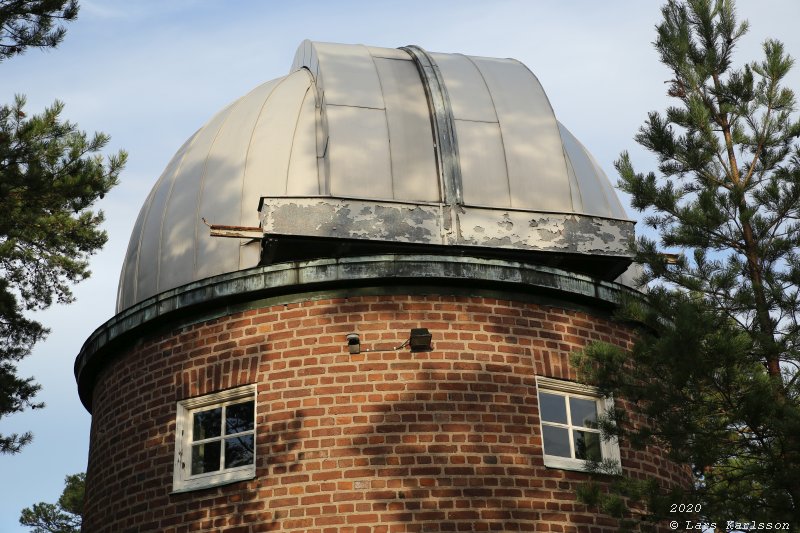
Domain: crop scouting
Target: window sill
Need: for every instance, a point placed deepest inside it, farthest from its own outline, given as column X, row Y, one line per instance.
column 575, row 465
column 193, row 485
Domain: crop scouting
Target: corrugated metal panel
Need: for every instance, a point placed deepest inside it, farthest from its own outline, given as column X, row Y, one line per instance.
column 303, row 178
column 616, row 208
column 178, row 238
column 596, row 192
column 150, row 248
column 483, row 164
column 413, row 160
column 574, row 187
column 359, row 152
column 270, row 147
column 537, row 171
column 594, row 199
column 221, row 198
column 348, row 75
column 126, row 290
column 469, row 96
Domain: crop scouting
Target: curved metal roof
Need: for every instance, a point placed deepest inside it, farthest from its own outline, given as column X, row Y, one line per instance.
column 359, row 142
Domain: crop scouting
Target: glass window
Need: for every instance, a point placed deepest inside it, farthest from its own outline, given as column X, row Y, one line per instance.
column 556, row 441
column 583, row 412
column 553, row 407
column 215, row 439
column 570, row 434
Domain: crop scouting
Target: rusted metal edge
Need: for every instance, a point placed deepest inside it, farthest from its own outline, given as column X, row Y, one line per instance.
column 239, row 232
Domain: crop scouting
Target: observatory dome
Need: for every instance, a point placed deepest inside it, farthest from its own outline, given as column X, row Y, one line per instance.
column 353, row 297
column 365, row 144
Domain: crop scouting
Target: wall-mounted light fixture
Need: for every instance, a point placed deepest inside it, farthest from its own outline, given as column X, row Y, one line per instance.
column 354, row 343
column 419, row 340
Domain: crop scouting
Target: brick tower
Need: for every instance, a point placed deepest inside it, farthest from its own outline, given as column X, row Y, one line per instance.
column 348, row 304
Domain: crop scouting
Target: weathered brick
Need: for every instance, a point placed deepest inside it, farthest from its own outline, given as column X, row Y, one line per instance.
column 445, row 440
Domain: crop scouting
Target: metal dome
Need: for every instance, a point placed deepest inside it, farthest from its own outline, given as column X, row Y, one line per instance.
column 383, row 145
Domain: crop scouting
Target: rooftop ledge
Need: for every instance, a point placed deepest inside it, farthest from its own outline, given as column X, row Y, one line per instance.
column 213, row 296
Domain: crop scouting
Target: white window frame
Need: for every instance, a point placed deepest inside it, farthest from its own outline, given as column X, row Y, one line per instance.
column 609, row 448
column 183, row 480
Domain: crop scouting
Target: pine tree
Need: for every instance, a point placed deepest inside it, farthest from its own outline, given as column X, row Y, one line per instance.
column 65, row 516
column 50, row 177
column 715, row 368
column 26, row 23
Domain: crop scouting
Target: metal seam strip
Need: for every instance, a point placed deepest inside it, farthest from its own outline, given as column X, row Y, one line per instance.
column 443, row 125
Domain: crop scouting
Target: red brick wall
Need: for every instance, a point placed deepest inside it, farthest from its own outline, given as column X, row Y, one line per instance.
column 446, row 440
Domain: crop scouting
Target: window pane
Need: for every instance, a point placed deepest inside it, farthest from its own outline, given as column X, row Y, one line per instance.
column 239, row 451
column 239, row 417
column 556, row 441
column 587, row 445
column 553, row 407
column 205, row 457
column 207, row 424
column 584, row 412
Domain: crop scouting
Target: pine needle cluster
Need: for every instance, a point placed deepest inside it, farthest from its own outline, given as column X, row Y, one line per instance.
column 715, row 369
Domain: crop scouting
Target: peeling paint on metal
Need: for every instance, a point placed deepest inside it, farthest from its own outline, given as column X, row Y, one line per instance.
column 525, row 230
column 351, row 219
column 506, row 223
column 434, row 224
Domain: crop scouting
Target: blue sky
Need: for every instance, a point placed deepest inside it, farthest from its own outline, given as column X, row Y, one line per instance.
column 150, row 72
